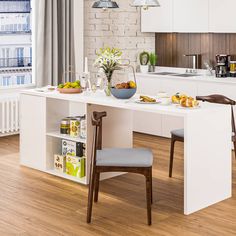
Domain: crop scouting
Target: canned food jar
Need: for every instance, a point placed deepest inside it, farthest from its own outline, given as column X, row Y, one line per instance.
column 65, row 126
column 75, row 127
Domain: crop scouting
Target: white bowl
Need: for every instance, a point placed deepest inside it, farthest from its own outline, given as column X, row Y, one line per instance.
column 165, row 100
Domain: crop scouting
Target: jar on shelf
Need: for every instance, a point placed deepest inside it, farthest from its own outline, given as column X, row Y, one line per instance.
column 83, row 125
column 65, row 126
column 75, row 127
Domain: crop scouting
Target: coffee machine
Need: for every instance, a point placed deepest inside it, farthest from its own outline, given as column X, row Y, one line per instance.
column 222, row 65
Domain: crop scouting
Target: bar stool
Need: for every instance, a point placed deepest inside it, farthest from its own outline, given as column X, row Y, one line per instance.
column 178, row 135
column 133, row 160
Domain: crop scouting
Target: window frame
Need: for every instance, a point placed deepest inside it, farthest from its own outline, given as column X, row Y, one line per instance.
column 16, row 88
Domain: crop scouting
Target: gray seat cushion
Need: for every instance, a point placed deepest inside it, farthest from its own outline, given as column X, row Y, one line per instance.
column 125, row 157
column 178, row 132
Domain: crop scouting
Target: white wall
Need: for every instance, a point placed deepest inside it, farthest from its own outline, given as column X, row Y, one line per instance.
column 119, row 28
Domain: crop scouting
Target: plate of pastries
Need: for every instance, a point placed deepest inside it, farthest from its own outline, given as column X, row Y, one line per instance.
column 185, row 101
column 146, row 100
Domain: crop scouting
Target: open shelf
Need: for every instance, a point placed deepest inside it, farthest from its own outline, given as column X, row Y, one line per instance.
column 65, row 176
column 57, row 134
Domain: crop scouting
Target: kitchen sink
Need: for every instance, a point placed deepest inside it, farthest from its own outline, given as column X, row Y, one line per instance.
column 164, row 73
column 186, row 75
column 175, row 74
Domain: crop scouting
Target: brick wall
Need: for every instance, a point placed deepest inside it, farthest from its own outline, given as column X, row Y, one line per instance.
column 117, row 28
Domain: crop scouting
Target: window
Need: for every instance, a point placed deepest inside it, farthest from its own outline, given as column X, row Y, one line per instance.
column 6, row 80
column 15, row 43
column 5, row 57
column 20, row 56
column 20, row 79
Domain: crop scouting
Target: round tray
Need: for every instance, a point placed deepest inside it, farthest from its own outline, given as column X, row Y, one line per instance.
column 69, row 90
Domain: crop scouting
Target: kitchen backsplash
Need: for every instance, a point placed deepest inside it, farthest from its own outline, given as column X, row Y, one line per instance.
column 171, row 47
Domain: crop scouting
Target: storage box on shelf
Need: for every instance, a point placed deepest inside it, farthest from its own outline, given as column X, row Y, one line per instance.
column 75, row 166
column 60, row 163
column 72, row 159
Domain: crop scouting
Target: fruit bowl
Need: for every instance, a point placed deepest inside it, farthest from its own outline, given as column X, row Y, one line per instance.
column 123, row 93
column 70, row 87
column 69, row 90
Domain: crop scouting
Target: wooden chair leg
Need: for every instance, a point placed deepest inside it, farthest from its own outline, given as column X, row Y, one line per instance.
column 97, row 180
column 172, row 148
column 151, row 185
column 148, row 196
column 90, row 197
column 235, row 149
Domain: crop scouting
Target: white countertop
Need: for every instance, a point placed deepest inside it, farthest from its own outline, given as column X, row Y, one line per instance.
column 99, row 98
column 203, row 75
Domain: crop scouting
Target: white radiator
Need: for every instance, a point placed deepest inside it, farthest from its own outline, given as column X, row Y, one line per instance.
column 9, row 114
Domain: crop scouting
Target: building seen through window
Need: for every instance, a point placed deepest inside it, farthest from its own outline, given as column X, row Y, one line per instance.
column 15, row 43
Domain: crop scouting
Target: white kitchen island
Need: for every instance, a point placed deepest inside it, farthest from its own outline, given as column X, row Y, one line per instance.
column 201, row 84
column 207, row 147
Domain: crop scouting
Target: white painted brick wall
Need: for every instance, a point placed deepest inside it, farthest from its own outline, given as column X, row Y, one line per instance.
column 116, row 28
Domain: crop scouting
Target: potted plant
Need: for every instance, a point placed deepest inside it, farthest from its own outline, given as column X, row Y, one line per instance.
column 108, row 61
column 153, row 61
column 144, row 59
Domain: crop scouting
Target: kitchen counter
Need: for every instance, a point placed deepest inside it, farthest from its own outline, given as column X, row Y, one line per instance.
column 99, row 98
column 207, row 146
column 203, row 75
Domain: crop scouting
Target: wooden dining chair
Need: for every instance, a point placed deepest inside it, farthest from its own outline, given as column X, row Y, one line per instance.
column 133, row 160
column 178, row 135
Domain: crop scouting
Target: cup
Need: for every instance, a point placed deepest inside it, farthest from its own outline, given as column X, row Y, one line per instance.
column 165, row 100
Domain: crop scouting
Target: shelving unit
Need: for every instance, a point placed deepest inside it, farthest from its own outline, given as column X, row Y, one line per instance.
column 39, row 146
column 57, row 134
column 65, row 176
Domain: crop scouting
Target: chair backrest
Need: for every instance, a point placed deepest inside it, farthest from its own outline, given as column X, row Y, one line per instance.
column 220, row 99
column 97, row 138
column 217, row 98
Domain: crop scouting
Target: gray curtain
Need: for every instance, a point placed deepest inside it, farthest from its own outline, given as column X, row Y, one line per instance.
column 54, row 40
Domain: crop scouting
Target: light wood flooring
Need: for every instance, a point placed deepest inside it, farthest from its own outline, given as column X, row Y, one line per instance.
column 34, row 203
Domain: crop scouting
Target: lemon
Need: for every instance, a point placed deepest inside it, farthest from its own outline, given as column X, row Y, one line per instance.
column 73, row 85
column 78, row 82
column 132, row 84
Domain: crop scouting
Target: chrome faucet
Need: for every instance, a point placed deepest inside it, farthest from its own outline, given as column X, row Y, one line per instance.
column 195, row 63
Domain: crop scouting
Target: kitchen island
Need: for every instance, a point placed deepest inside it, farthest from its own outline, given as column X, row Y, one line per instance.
column 201, row 84
column 207, row 147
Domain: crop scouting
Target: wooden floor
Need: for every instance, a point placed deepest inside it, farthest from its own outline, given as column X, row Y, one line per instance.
column 34, row 203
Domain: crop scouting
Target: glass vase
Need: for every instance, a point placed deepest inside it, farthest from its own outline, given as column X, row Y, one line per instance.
column 108, row 85
column 108, row 88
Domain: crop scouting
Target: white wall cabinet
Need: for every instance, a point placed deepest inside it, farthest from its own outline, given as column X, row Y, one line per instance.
column 222, row 23
column 158, row 19
column 190, row 16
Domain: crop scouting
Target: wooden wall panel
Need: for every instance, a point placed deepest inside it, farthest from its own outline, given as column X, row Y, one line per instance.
column 171, row 48
column 182, row 48
column 232, row 45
